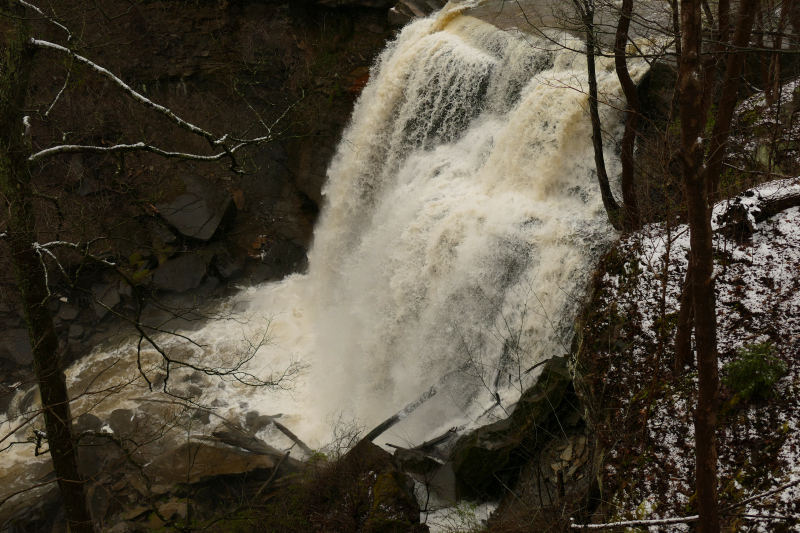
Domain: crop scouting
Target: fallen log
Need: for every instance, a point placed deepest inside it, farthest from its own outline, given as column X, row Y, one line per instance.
column 283, row 429
column 737, row 217
column 410, row 408
column 233, row 436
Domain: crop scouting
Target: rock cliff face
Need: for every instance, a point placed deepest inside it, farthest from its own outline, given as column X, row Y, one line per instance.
column 227, row 66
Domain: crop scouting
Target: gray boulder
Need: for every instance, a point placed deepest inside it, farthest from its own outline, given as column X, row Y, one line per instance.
column 284, row 257
column 106, row 297
column 67, row 311
column 480, row 457
column 201, row 210
column 180, row 274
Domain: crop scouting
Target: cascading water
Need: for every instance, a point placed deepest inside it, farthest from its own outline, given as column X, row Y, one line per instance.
column 462, row 220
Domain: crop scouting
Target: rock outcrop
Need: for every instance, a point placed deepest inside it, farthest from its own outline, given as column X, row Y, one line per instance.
column 480, row 458
column 201, row 210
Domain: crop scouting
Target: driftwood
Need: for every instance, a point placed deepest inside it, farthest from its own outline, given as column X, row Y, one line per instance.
column 410, row 408
column 283, row 429
column 737, row 217
column 237, row 437
column 416, row 451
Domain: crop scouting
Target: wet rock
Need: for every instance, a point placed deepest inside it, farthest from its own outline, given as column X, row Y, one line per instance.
column 173, row 509
column 230, row 266
column 393, row 507
column 136, row 512
column 87, row 422
column 284, row 257
column 75, row 331
column 161, row 234
column 105, row 298
column 256, row 422
column 180, row 274
column 127, row 527
column 16, row 344
column 67, row 311
column 414, row 462
column 201, row 210
column 238, row 199
column 479, row 456
column 102, row 504
column 155, row 522
column 122, row 421
column 124, row 289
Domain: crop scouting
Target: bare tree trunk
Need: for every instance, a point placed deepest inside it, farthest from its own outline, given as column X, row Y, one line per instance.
column 683, row 335
column 612, row 208
column 632, row 217
column 724, row 21
column 16, row 56
column 728, row 98
column 775, row 64
column 760, row 29
column 693, row 121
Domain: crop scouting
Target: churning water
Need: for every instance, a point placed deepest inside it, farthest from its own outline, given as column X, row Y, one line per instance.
column 462, row 222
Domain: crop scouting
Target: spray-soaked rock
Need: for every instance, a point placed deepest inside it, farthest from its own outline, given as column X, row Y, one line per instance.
column 479, row 458
column 180, row 274
column 383, row 491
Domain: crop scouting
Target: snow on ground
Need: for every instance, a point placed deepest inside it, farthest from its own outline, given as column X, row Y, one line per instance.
column 758, row 301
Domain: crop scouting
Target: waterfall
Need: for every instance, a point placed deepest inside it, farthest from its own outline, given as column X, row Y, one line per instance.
column 462, row 222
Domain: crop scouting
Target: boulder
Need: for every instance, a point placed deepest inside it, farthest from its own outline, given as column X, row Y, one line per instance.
column 67, row 311
column 201, row 210
column 230, row 263
column 414, row 462
column 391, row 505
column 284, row 257
column 180, row 274
column 122, row 422
column 106, row 297
column 87, row 422
column 75, row 331
column 480, row 456
column 173, row 509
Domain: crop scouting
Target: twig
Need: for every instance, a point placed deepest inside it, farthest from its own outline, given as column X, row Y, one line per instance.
column 687, row 519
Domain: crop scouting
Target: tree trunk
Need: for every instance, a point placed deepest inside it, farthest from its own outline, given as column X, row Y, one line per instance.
column 17, row 58
column 612, row 208
column 683, row 335
column 764, row 59
column 693, row 121
column 632, row 218
column 728, row 98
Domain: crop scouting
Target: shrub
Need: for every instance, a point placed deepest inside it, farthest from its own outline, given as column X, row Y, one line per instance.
column 754, row 372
